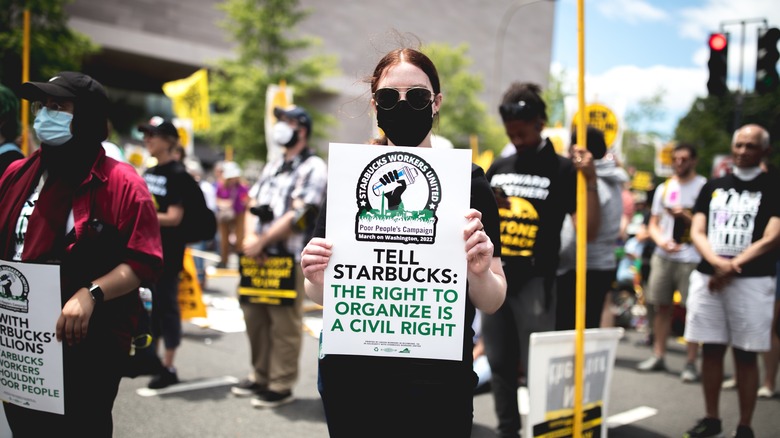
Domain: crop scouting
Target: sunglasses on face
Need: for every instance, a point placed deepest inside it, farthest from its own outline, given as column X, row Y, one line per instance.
column 418, row 98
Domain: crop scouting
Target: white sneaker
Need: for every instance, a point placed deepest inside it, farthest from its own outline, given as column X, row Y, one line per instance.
column 764, row 392
column 689, row 373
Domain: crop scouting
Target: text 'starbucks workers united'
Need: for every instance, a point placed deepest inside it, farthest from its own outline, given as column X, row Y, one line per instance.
column 398, row 195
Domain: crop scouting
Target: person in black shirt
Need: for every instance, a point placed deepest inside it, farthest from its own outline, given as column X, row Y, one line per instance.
column 407, row 396
column 9, row 128
column 736, row 229
column 166, row 182
column 535, row 188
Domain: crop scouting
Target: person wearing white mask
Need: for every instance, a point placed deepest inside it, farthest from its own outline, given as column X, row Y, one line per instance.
column 287, row 198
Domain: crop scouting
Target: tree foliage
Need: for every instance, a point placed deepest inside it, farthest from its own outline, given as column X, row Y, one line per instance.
column 53, row 46
column 554, row 96
column 463, row 113
column 638, row 143
column 266, row 54
column 711, row 122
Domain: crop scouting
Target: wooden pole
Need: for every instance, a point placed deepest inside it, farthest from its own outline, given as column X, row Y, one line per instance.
column 25, row 116
column 582, row 231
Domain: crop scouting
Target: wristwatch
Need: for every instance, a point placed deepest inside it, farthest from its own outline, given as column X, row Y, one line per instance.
column 96, row 292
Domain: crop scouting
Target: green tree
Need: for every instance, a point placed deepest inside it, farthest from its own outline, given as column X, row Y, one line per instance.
column 554, row 96
column 265, row 56
column 711, row 121
column 53, row 46
column 463, row 113
column 638, row 143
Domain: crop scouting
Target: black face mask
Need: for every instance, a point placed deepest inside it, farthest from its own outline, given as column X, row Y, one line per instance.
column 403, row 125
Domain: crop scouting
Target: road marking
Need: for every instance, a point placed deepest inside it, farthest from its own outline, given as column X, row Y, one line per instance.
column 188, row 386
column 223, row 314
column 312, row 325
column 630, row 416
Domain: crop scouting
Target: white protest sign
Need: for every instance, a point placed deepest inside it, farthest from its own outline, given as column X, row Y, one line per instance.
column 551, row 382
column 31, row 357
column 396, row 282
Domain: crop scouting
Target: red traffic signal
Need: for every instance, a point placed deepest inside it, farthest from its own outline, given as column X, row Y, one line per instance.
column 718, row 42
column 718, row 64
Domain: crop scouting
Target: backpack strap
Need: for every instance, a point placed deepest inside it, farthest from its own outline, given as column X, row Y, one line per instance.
column 8, row 147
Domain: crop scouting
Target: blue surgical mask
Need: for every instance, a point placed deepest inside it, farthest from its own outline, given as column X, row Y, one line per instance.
column 53, row 128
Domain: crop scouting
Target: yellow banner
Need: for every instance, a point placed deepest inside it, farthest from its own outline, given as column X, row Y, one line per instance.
column 190, row 292
column 190, row 98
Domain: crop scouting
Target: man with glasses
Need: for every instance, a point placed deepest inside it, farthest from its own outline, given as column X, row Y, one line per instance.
column 535, row 189
column 675, row 257
column 287, row 197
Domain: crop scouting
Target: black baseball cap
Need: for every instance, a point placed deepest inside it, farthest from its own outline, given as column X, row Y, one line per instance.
column 159, row 126
column 66, row 85
column 295, row 113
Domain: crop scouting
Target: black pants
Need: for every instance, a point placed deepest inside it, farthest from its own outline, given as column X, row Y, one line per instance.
column 91, row 382
column 596, row 288
column 166, row 315
column 385, row 398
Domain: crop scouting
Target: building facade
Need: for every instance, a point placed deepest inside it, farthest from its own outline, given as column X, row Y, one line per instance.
column 146, row 43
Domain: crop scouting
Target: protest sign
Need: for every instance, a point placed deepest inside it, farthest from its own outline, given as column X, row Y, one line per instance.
column 551, row 382
column 396, row 282
column 31, row 374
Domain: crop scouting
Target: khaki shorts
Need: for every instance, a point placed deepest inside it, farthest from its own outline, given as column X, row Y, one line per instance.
column 667, row 276
column 740, row 315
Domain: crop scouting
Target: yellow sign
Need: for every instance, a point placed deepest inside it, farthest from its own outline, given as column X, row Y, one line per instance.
column 190, row 98
column 190, row 293
column 601, row 118
column 665, row 154
column 642, row 181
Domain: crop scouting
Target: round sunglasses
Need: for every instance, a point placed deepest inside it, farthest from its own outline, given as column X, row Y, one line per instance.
column 418, row 98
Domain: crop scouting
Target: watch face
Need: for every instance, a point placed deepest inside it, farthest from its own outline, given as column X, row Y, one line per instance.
column 97, row 293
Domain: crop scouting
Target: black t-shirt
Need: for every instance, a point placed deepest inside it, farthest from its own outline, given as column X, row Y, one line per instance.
column 9, row 157
column 166, row 183
column 737, row 213
column 482, row 200
column 535, row 190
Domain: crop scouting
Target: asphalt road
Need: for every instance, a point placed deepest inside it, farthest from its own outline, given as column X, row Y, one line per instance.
column 214, row 353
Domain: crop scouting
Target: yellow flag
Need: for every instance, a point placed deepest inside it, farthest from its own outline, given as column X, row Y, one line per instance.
column 190, row 293
column 191, row 98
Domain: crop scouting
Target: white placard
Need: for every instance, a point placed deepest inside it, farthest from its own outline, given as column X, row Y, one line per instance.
column 396, row 282
column 551, row 382
column 31, row 371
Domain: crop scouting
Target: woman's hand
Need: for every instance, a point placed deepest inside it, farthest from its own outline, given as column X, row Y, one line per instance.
column 73, row 322
column 314, row 259
column 479, row 248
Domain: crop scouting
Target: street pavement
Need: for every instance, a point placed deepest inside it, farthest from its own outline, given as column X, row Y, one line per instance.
column 215, row 352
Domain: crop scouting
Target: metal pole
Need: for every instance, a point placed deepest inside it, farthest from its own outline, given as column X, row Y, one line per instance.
column 500, row 36
column 741, row 59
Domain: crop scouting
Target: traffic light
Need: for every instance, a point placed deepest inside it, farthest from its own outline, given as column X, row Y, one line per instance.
column 767, row 79
column 718, row 64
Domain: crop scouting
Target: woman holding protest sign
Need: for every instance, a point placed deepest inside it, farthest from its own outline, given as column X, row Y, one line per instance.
column 409, row 396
